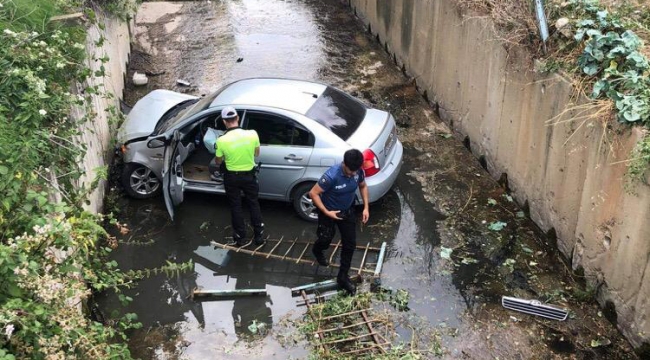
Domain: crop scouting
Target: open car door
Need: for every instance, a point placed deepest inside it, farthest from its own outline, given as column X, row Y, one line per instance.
column 172, row 174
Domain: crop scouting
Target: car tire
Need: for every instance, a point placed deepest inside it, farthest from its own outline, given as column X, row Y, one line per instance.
column 302, row 203
column 140, row 182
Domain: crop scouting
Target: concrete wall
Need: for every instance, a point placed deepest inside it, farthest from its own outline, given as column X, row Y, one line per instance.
column 564, row 172
column 96, row 133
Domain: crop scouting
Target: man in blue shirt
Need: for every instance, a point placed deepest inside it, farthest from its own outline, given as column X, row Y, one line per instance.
column 334, row 196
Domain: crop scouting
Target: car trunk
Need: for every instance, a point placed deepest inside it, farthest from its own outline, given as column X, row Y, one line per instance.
column 378, row 133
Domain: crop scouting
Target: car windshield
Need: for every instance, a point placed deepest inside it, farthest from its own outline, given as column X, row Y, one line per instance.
column 339, row 112
column 183, row 111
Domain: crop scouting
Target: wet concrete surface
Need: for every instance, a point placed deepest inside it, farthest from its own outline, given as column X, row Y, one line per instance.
column 442, row 200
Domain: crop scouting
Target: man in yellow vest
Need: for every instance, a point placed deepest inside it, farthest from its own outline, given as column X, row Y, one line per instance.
column 238, row 148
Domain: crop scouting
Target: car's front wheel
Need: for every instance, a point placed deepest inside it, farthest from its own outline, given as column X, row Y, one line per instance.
column 303, row 204
column 140, row 182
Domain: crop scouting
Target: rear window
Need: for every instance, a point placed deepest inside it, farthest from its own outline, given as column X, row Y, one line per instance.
column 338, row 111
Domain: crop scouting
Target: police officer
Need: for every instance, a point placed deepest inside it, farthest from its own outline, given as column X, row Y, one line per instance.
column 334, row 196
column 237, row 148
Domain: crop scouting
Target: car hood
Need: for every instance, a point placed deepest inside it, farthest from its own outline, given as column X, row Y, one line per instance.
column 144, row 116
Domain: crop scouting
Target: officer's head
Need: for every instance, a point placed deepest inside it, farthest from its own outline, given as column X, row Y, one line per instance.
column 353, row 159
column 229, row 116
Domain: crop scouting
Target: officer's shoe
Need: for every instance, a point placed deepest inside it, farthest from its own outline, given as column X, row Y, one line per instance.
column 346, row 284
column 320, row 258
column 258, row 238
column 237, row 242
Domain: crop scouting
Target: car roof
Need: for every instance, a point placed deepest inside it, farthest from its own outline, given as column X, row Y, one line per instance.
column 293, row 95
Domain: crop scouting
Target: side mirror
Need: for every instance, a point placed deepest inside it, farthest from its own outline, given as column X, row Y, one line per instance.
column 157, row 142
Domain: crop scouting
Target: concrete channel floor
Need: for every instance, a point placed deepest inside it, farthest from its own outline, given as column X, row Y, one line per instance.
column 442, row 201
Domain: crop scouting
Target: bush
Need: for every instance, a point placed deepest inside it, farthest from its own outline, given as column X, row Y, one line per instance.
column 52, row 253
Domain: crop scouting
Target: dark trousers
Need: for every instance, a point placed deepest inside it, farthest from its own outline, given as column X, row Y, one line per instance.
column 347, row 227
column 235, row 184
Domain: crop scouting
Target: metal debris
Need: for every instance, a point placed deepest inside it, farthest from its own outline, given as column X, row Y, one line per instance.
column 534, row 307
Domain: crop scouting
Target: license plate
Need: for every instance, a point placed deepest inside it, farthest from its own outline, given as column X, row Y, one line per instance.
column 392, row 137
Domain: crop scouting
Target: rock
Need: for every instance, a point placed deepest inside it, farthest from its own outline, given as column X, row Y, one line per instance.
column 563, row 26
column 561, row 22
column 140, row 79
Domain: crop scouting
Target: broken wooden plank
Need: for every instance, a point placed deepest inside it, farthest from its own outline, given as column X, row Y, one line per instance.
column 334, row 251
column 276, row 245
column 344, row 327
column 372, row 331
column 344, row 314
column 302, row 253
column 363, row 259
column 348, row 339
column 289, row 250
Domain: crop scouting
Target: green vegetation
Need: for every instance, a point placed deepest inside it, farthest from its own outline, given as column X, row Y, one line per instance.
column 612, row 57
column 603, row 47
column 638, row 164
column 341, row 311
column 52, row 252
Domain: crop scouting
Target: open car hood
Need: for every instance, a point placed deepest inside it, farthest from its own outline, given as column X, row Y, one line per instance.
column 147, row 111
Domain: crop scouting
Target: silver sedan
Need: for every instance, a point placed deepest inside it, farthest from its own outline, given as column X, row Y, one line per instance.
column 167, row 140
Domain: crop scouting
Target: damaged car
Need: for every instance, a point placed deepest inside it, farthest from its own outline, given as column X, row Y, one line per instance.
column 167, row 140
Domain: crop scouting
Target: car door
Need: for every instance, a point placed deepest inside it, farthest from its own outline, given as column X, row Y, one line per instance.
column 285, row 149
column 175, row 153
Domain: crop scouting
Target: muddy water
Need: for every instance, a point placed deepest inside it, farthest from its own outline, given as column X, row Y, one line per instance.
column 443, row 199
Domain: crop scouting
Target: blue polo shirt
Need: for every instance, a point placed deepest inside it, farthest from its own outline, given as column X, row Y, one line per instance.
column 338, row 189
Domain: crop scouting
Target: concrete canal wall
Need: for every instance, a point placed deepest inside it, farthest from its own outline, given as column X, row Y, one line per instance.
column 96, row 133
column 564, row 173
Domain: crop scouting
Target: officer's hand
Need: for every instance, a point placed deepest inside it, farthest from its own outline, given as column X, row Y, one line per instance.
column 334, row 214
column 365, row 215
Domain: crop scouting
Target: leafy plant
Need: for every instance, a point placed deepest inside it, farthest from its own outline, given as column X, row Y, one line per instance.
column 52, row 253
column 611, row 55
column 497, row 226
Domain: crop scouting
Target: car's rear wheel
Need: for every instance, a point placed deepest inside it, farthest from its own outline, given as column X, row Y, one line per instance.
column 140, row 182
column 303, row 204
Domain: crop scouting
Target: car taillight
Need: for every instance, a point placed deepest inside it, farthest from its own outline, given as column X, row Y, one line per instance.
column 370, row 163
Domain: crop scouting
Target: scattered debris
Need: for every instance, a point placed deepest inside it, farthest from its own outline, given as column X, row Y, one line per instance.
column 497, row 226
column 257, row 327
column 240, row 59
column 445, row 253
column 534, row 307
column 596, row 343
column 561, row 22
column 319, row 286
column 140, row 79
column 228, row 293
column 183, row 82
